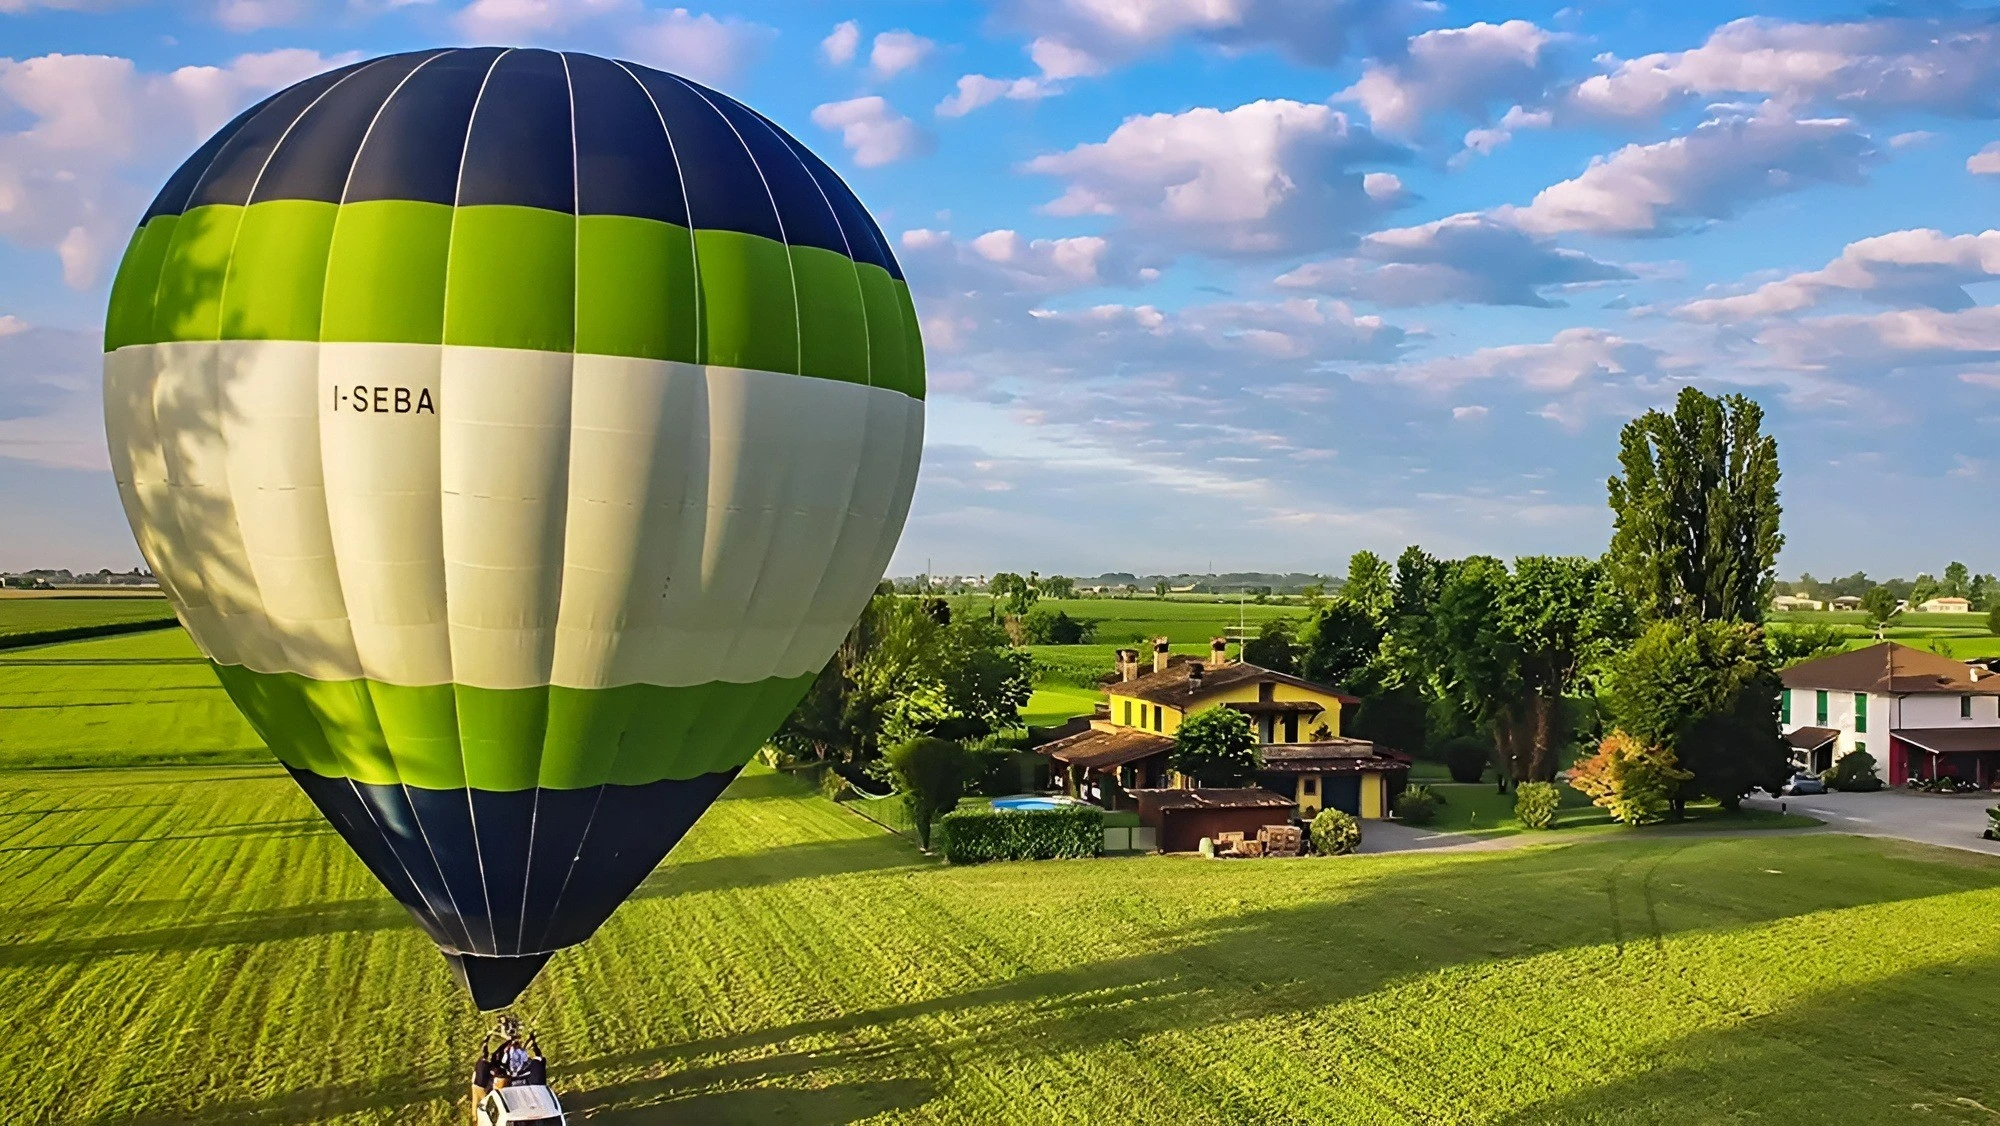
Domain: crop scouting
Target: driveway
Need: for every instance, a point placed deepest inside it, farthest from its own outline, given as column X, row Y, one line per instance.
column 1951, row 820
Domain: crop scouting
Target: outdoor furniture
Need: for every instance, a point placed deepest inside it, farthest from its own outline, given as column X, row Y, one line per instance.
column 1281, row 840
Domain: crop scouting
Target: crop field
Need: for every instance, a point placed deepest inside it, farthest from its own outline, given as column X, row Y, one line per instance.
column 36, row 615
column 1129, row 621
column 191, row 944
column 132, row 698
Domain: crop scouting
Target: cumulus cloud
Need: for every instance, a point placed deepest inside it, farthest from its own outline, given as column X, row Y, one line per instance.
column 1004, row 261
column 1910, row 268
column 1985, row 162
column 1850, row 353
column 1270, row 177
column 872, row 130
column 1936, row 64
column 255, row 15
column 1463, row 69
column 97, row 135
column 976, row 90
column 1317, row 32
column 897, row 51
column 1572, row 358
column 698, row 46
column 1470, row 258
column 838, row 47
column 1710, row 173
column 505, row 21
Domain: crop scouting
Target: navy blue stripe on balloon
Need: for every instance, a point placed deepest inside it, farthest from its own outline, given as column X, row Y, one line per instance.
column 515, row 872
column 531, row 128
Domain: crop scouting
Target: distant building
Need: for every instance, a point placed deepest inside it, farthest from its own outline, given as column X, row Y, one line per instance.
column 1846, row 602
column 1920, row 715
column 1788, row 602
column 1950, row 604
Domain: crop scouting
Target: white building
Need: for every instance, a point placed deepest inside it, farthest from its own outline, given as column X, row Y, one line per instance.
column 1918, row 714
column 1946, row 605
column 1796, row 602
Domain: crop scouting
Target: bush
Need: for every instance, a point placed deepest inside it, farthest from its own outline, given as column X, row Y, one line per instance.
column 973, row 836
column 1854, row 772
column 1042, row 626
column 1535, row 804
column 833, row 786
column 1467, row 757
column 1335, row 833
column 931, row 773
column 1416, row 805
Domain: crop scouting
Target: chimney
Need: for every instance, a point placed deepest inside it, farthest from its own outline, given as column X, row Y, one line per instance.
column 1194, row 675
column 1128, row 664
column 1218, row 652
column 1159, row 654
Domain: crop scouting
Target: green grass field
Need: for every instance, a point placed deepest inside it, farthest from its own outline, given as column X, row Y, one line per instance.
column 192, row 945
column 37, row 615
column 123, row 700
column 1479, row 808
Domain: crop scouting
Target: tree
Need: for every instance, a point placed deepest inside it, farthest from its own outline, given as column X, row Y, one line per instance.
column 1632, row 778
column 1696, row 510
column 931, row 773
column 1880, row 605
column 1369, row 585
column 1923, row 590
column 1563, row 620
column 1993, row 620
column 1160, row 588
column 1703, row 691
column 1957, row 580
column 1042, row 626
column 1797, row 644
column 1216, row 748
column 1057, row 587
column 1273, row 648
column 1339, row 642
column 1013, row 593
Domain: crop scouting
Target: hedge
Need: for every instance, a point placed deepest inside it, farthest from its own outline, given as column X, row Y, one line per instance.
column 972, row 836
column 80, row 633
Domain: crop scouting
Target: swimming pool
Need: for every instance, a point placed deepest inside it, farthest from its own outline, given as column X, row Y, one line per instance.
column 1032, row 801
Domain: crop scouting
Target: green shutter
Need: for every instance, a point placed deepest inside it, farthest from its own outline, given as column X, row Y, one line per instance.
column 1861, row 711
column 1785, row 705
column 1819, row 705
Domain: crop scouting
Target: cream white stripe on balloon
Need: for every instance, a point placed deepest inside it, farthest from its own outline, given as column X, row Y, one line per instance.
column 644, row 477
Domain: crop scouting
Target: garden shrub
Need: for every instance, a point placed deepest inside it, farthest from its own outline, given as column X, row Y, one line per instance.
column 1854, row 772
column 1535, row 804
column 931, row 773
column 1416, row 805
column 973, row 836
column 833, row 785
column 1335, row 833
column 1467, row 756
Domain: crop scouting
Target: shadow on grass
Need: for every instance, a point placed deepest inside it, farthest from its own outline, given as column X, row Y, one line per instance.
column 349, row 916
column 782, row 864
column 1774, row 1068
column 1289, row 961
column 279, row 829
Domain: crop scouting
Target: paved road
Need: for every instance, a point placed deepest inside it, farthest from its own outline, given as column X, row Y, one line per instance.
column 1954, row 821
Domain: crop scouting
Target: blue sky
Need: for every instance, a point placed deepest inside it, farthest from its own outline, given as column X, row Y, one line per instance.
column 1242, row 283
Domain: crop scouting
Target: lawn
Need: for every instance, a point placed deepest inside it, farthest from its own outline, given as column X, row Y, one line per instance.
column 20, row 616
column 1479, row 808
column 190, row 944
column 128, row 699
column 1053, row 703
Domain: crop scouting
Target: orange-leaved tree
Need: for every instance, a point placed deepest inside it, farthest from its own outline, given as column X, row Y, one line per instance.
column 1631, row 778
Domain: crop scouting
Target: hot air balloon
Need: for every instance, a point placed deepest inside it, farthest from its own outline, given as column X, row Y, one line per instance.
column 517, row 433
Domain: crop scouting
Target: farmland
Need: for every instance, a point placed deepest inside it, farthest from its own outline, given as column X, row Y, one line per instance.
column 183, row 943
column 29, row 615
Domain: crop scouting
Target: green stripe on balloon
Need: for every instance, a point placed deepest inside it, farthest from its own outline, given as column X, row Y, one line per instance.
column 449, row 736
column 398, row 271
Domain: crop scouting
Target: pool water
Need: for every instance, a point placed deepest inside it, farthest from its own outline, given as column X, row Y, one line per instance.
column 1032, row 802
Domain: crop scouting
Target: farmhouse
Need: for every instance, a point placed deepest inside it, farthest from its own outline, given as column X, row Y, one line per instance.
column 1307, row 765
column 1784, row 602
column 1920, row 715
column 1949, row 604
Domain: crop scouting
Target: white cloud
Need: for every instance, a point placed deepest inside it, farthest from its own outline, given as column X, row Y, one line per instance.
column 1004, row 261
column 1485, row 140
column 897, row 51
column 505, row 21
column 1938, row 65
column 838, row 47
column 1710, row 173
column 97, row 136
column 977, row 90
column 1465, row 69
column 1916, row 267
column 1317, row 32
column 697, row 46
column 255, row 15
column 1469, row 412
column 1264, row 178
column 1470, row 258
column 1572, row 357
column 872, row 130
column 1985, row 162
column 11, row 324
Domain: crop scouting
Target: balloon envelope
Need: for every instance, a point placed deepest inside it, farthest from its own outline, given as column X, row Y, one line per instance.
column 518, row 433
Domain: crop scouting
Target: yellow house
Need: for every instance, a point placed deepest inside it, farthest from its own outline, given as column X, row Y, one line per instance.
column 1297, row 723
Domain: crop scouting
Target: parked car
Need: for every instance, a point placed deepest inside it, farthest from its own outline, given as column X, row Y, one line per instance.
column 1803, row 783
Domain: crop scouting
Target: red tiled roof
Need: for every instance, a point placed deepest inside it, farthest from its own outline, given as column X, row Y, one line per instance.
column 1093, row 749
column 1175, row 686
column 1891, row 669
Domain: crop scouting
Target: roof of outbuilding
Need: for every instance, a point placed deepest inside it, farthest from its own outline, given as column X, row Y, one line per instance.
column 1246, row 797
column 1811, row 738
column 1333, row 756
column 1093, row 749
column 1175, row 685
column 1951, row 740
column 1891, row 669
